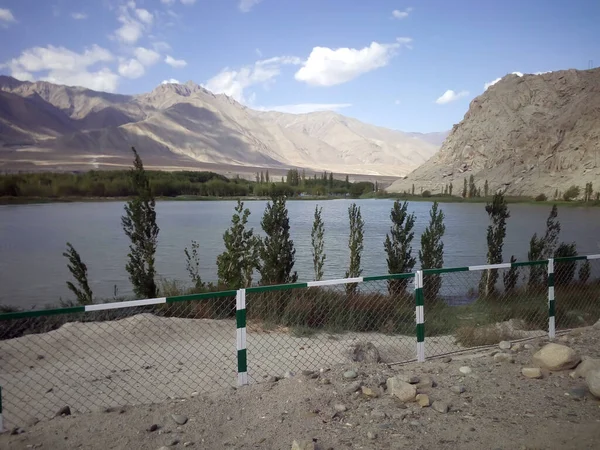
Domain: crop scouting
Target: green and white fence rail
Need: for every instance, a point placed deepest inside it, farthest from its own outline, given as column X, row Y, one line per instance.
column 143, row 351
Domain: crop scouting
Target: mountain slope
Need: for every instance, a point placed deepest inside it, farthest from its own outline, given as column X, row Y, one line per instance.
column 194, row 126
column 526, row 135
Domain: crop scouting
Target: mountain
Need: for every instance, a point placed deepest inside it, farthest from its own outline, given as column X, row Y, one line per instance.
column 435, row 138
column 180, row 126
column 526, row 135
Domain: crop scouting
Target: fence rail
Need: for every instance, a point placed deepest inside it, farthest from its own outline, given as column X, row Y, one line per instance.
column 145, row 351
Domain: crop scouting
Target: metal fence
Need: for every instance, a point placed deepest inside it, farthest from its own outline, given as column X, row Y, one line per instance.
column 146, row 351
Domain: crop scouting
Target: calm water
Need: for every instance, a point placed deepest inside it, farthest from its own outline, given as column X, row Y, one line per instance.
column 32, row 238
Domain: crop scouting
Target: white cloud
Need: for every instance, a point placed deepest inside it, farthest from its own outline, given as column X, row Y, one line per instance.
column 258, row 52
column 493, row 82
column 146, row 56
column 130, row 32
column 64, row 66
column 234, row 82
column 246, row 5
column 131, row 68
column 398, row 14
column 6, row 15
column 303, row 108
column 144, row 15
column 170, row 81
column 176, row 63
column 161, row 46
column 79, row 16
column 188, row 2
column 450, row 96
column 167, row 2
column 328, row 67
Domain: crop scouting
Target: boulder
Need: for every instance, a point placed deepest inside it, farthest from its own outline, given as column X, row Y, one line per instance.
column 586, row 366
column 593, row 381
column 556, row 357
column 504, row 345
column 400, row 389
column 532, row 372
column 365, row 352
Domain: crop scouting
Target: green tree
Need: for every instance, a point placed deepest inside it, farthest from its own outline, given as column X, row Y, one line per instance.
column 464, row 192
column 267, row 176
column 79, row 271
column 472, row 187
column 486, row 188
column 543, row 248
column 498, row 213
column 257, row 177
column 556, row 194
column 571, row 193
column 277, row 253
column 565, row 270
column 347, row 182
column 431, row 254
column 510, row 277
column 376, row 186
column 139, row 224
column 398, row 247
column 450, row 186
column 330, row 180
column 589, row 190
column 317, row 236
column 241, row 256
column 262, row 177
column 355, row 244
column 585, row 271
column 413, row 190
column 192, row 264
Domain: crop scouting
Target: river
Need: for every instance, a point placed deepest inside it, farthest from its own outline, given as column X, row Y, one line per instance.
column 33, row 237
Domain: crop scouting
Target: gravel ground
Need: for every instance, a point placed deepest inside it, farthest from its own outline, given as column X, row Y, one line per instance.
column 499, row 409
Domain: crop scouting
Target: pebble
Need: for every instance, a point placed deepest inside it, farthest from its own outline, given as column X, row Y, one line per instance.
column 325, row 381
column 504, row 345
column 415, row 423
column 307, row 373
column 179, row 419
column 527, row 346
column 578, row 392
column 350, row 374
column 465, row 370
column 458, row 389
column 378, row 414
column 273, row 379
column 352, row 388
column 412, row 379
column 340, row 407
column 423, row 400
column 372, row 435
column 531, row 372
column 64, row 411
column 440, row 407
column 188, row 444
column 447, row 360
column 504, row 357
column 152, row 428
column 174, row 442
column 368, row 392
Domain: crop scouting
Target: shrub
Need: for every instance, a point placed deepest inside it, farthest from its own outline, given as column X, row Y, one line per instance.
column 426, row 194
column 571, row 193
column 541, row 198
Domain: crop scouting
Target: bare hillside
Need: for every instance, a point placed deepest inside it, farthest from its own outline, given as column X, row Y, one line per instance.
column 526, row 135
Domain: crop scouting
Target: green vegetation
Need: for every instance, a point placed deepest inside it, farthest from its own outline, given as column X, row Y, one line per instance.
column 398, row 248
column 78, row 269
column 355, row 244
column 431, row 254
column 317, row 239
column 496, row 232
column 192, row 265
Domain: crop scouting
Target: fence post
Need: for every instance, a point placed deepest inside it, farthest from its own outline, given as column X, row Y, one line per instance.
column 240, row 319
column 1, row 417
column 551, row 305
column 420, row 316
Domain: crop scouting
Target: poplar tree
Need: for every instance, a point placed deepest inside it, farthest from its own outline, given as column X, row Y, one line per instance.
column 355, row 244
column 318, row 244
column 498, row 213
column 79, row 271
column 431, row 254
column 397, row 246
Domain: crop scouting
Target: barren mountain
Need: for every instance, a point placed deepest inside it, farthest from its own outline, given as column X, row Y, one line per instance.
column 186, row 126
column 525, row 135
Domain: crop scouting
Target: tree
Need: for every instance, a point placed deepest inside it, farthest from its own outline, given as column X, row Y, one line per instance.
column 431, row 255
column 347, row 182
column 277, row 252
column 355, row 244
column 79, row 271
column 267, row 176
column 446, row 189
column 303, row 177
column 237, row 263
column 565, row 270
column 472, row 187
column 262, row 178
column 585, row 271
column 139, row 224
column 486, row 188
column 571, row 193
column 464, row 192
column 317, row 236
column 257, row 177
column 413, row 190
column 543, row 248
column 398, row 246
column 511, row 277
column 331, row 180
column 450, row 188
column 192, row 264
column 479, row 192
column 556, row 194
column 498, row 213
column 589, row 190
column 376, row 186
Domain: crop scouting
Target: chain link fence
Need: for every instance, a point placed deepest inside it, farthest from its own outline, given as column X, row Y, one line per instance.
column 108, row 355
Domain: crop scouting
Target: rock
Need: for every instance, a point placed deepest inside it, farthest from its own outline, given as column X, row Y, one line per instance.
column 64, row 411
column 173, row 442
column 273, row 379
column 504, row 345
column 325, row 381
column 593, row 381
column 586, row 366
column 365, row 352
column 556, row 357
column 400, row 389
column 465, row 370
column 423, row 400
column 350, row 374
column 378, row 414
column 352, row 388
column 308, row 373
column 458, row 389
column 179, row 419
column 426, row 382
column 372, row 435
column 415, row 423
column 289, row 374
column 188, row 444
column 152, row 428
column 527, row 346
column 412, row 379
column 303, row 445
column 16, row 430
column 597, row 325
column 578, row 393
column 516, row 347
column 368, row 392
column 447, row 360
column 440, row 407
column 532, row 372
column 339, row 407
column 504, row 357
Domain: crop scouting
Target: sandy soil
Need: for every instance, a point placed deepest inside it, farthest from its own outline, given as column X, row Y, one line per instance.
column 500, row 409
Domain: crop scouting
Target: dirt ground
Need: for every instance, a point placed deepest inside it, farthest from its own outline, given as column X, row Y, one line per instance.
column 499, row 409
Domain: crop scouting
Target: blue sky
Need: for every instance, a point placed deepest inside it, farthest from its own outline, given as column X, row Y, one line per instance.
column 387, row 62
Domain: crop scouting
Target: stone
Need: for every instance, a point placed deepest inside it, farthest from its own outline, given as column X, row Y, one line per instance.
column 527, row 346
column 64, row 411
column 556, row 357
column 179, row 419
column 340, row 407
column 531, row 372
column 465, row 370
column 593, row 381
column 289, row 374
column 324, row 381
column 350, row 374
column 188, row 444
column 378, row 414
column 372, row 435
column 308, row 373
column 578, row 393
column 407, row 378
column 353, row 387
column 368, row 392
column 303, row 445
column 504, row 357
column 586, row 365
column 173, row 442
column 17, row 430
column 447, row 359
column 441, row 407
column 516, row 347
column 423, row 400
column 152, row 428
column 458, row 389
column 426, row 382
column 415, row 423
column 504, row 345
column 365, row 352
column 400, row 389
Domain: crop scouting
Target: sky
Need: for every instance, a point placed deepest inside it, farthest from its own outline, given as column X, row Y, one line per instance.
column 410, row 65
